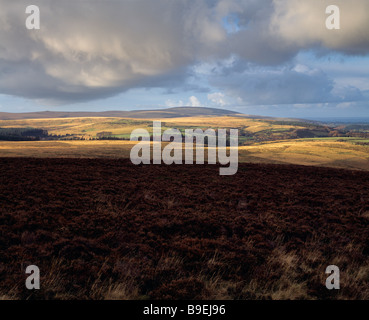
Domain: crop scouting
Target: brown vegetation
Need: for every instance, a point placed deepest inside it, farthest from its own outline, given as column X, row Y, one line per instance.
column 105, row 229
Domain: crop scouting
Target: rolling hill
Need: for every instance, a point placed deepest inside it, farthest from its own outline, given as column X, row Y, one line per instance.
column 138, row 114
column 261, row 139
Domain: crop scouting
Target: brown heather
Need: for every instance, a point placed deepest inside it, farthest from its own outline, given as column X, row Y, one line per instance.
column 105, row 229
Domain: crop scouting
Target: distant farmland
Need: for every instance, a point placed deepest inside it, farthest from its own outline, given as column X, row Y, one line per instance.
column 261, row 140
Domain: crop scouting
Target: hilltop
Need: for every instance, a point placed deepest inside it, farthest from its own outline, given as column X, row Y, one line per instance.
column 138, row 114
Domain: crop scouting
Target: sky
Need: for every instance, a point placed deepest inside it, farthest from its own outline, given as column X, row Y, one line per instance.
column 260, row 57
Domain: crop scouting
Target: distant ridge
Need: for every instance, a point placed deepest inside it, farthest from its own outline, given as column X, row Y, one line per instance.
column 140, row 114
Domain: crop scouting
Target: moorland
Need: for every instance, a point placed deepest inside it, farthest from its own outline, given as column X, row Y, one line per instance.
column 106, row 229
column 261, row 139
column 99, row 227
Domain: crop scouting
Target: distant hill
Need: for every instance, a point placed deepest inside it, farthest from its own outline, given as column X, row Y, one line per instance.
column 140, row 114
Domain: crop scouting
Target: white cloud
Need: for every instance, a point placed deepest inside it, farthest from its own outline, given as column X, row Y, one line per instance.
column 194, row 102
column 302, row 24
column 217, row 98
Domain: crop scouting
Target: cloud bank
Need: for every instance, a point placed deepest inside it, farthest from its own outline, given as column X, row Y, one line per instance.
column 87, row 50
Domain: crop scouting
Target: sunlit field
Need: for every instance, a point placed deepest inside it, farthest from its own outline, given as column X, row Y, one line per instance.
column 119, row 126
column 315, row 153
column 324, row 153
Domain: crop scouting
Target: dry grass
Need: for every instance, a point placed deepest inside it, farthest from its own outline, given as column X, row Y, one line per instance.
column 91, row 126
column 312, row 153
column 315, row 153
column 66, row 149
column 303, row 152
column 253, row 125
column 125, row 289
column 8, row 297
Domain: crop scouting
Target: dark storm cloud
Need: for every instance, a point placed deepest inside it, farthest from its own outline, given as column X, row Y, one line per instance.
column 286, row 85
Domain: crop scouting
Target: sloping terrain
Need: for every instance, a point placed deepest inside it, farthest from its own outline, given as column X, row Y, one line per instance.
column 105, row 229
column 90, row 126
column 139, row 114
column 261, row 140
